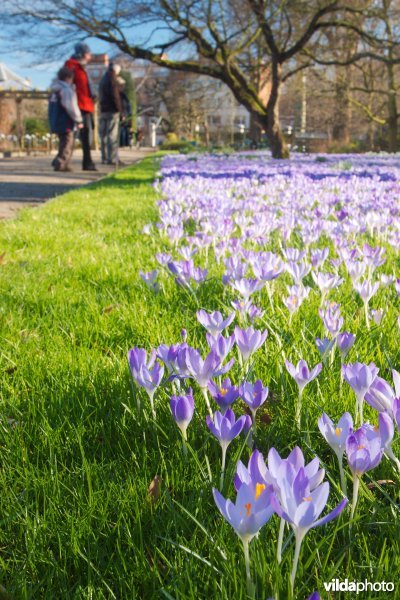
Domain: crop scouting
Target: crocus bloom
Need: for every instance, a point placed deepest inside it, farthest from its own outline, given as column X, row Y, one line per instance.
column 380, row 396
column 150, row 280
column 319, row 256
column 363, row 454
column 344, row 342
column 298, row 270
column 247, row 287
column 220, row 345
column 250, row 512
column 249, row 341
column 225, row 428
column 224, row 394
column 301, row 506
column 377, row 315
column 386, row 431
column 360, row 377
column 182, row 408
column 324, row 346
column 302, row 375
column 326, row 281
column 254, row 395
column 204, row 370
column 366, row 290
column 336, row 437
column 331, row 318
column 258, row 471
column 214, row 321
column 146, row 374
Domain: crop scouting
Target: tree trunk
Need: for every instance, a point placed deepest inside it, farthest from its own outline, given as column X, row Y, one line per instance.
column 342, row 113
column 392, row 110
column 279, row 147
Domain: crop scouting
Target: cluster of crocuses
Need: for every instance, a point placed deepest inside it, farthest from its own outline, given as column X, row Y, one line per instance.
column 237, row 209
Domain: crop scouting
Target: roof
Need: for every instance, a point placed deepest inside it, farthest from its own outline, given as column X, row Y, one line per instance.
column 11, row 81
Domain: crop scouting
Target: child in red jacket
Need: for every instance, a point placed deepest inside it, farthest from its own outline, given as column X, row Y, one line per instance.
column 77, row 63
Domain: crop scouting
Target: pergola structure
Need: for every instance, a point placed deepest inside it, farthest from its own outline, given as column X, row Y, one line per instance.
column 19, row 96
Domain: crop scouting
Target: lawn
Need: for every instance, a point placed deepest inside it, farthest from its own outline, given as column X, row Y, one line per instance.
column 100, row 500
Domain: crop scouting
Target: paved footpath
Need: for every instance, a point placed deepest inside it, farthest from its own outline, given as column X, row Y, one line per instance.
column 30, row 180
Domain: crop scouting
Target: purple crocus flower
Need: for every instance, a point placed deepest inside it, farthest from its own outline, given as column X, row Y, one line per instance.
column 224, row 394
column 324, row 346
column 360, row 377
column 220, row 344
column 258, row 471
column 380, row 396
column 251, row 511
column 326, row 282
column 319, row 256
column 214, row 321
column 254, row 395
column 301, row 506
column 182, row 408
column 363, row 454
column 331, row 318
column 344, row 342
column 146, row 374
column 249, row 341
column 298, row 270
column 150, row 279
column 203, row 370
column 246, row 287
column 366, row 290
column 225, row 428
column 336, row 437
column 397, row 286
column 302, row 375
column 386, row 431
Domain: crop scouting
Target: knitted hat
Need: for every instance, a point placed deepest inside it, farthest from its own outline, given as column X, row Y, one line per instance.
column 81, row 49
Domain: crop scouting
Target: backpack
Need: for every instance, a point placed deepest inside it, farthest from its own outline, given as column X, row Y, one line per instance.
column 59, row 120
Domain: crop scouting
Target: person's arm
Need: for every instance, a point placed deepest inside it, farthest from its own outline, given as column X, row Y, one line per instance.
column 116, row 93
column 70, row 103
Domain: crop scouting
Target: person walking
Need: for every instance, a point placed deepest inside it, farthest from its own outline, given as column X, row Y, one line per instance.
column 111, row 111
column 77, row 64
column 64, row 113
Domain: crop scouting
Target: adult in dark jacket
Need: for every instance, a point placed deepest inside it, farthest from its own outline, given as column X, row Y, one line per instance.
column 110, row 113
column 77, row 64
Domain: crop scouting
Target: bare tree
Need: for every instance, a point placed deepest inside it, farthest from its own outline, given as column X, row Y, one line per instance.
column 206, row 37
column 376, row 54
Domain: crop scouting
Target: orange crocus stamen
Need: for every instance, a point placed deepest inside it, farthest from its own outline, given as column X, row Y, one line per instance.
column 248, row 508
column 307, row 499
column 260, row 487
column 360, row 447
column 222, row 391
column 338, row 431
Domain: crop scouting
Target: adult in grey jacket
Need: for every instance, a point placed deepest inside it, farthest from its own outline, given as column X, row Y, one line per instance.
column 110, row 113
column 64, row 114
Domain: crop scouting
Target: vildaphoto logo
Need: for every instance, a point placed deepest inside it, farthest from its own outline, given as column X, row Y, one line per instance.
column 358, row 586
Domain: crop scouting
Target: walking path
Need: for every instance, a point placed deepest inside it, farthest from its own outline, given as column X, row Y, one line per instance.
column 30, row 180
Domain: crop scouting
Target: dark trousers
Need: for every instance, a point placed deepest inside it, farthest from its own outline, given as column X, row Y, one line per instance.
column 86, row 136
column 65, row 149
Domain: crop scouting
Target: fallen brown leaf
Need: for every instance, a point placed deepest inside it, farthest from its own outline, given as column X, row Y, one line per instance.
column 372, row 485
column 109, row 308
column 154, row 490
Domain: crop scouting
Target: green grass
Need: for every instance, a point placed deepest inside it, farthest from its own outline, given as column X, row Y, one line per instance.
column 77, row 456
